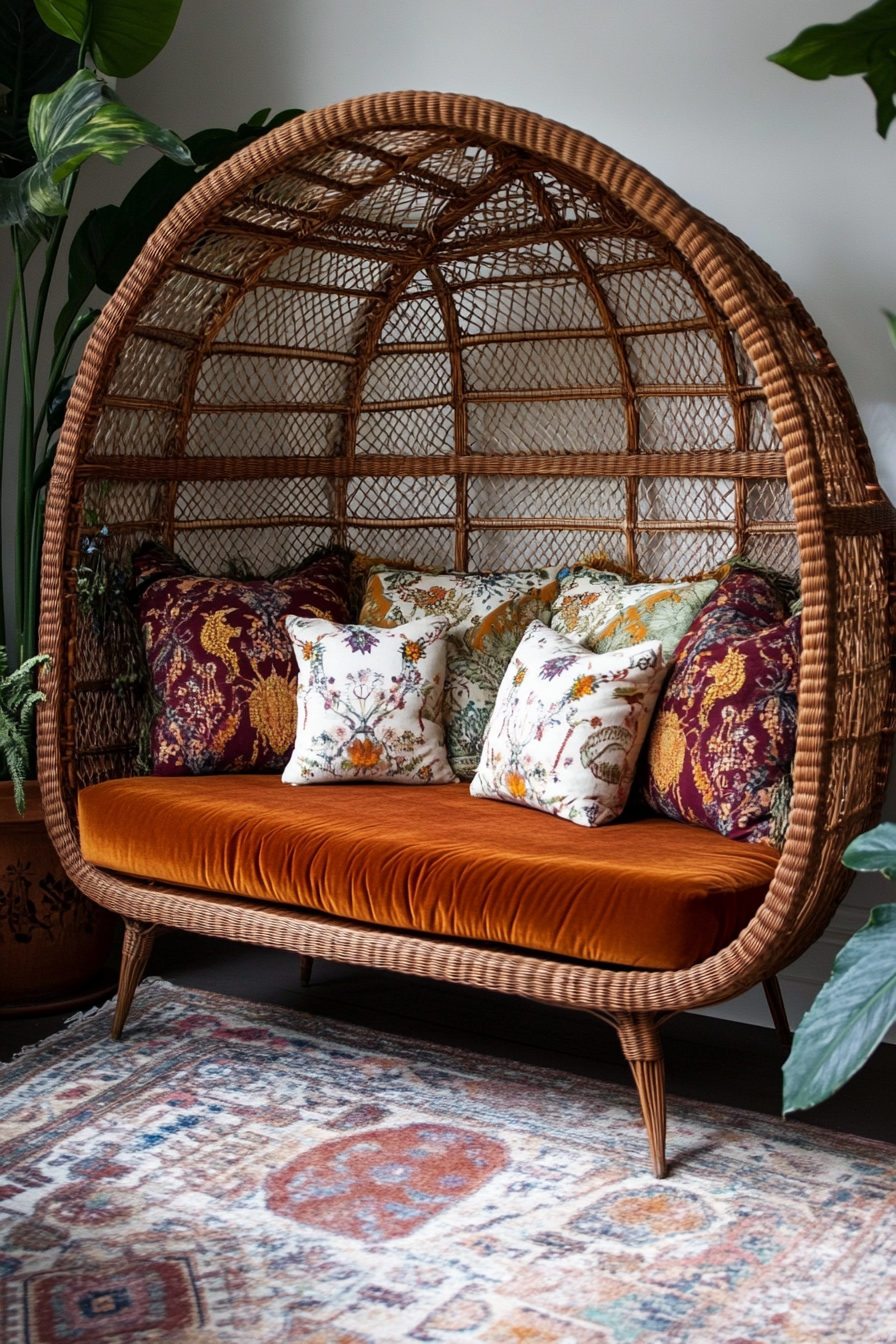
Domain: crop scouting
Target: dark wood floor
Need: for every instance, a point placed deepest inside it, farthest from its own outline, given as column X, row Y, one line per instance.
column 707, row 1059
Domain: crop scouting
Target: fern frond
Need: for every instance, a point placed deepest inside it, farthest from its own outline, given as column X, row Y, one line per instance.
column 18, row 700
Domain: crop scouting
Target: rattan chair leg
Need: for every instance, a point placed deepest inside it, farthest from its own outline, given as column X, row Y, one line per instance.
column 775, row 1000
column 138, row 941
column 305, row 965
column 643, row 1049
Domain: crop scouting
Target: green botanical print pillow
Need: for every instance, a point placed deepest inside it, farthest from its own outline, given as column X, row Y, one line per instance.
column 604, row 613
column 489, row 614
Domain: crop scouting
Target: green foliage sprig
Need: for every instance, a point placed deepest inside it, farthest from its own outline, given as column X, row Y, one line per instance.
column 863, row 45
column 857, row 1006
column 18, row 700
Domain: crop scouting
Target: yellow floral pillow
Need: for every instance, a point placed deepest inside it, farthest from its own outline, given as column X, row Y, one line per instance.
column 488, row 614
column 604, row 613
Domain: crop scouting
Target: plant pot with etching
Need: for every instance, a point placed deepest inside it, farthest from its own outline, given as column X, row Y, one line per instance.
column 54, row 942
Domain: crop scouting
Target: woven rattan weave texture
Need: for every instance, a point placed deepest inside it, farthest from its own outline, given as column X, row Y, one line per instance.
column 433, row 327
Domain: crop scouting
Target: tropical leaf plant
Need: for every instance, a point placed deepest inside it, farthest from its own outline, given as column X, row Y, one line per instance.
column 123, row 37
column 82, row 118
column 856, row 1008
column 55, row 113
column 862, row 45
column 110, row 238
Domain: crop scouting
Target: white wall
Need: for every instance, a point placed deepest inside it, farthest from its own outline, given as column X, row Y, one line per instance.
column 680, row 86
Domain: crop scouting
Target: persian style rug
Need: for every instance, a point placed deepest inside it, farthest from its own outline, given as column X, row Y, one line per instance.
column 229, row 1172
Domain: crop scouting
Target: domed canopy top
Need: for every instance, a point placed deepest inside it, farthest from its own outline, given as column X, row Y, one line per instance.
column 464, row 336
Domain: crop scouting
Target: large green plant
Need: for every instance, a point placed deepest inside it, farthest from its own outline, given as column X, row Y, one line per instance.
column 857, row 1007
column 48, row 130
column 55, row 114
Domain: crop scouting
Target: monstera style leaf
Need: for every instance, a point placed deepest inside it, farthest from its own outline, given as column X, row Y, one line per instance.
column 123, row 36
column 81, row 118
column 874, row 852
column 863, row 45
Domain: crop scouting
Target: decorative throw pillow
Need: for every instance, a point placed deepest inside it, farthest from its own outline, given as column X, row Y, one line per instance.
column 723, row 738
column 485, row 628
column 221, row 661
column 744, row 602
column 568, row 726
column 603, row 612
column 369, row 703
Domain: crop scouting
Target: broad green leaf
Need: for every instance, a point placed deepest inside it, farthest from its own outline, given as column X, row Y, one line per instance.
column 849, row 1018
column 862, row 45
column 85, row 256
column 874, row 852
column 891, row 324
column 82, row 118
column 124, row 35
column 58, row 402
column 32, row 60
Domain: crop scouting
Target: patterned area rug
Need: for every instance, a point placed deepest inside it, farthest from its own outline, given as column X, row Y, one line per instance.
column 229, row 1172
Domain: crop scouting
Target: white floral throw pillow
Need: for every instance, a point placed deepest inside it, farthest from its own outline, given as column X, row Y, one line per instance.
column 485, row 628
column 568, row 727
column 604, row 612
column 370, row 703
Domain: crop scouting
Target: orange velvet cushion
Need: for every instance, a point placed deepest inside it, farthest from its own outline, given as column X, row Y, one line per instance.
column 653, row 892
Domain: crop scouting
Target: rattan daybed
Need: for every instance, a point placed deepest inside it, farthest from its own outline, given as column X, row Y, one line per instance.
column 430, row 326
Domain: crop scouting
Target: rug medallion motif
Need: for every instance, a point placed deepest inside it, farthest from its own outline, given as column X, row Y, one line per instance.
column 238, row 1174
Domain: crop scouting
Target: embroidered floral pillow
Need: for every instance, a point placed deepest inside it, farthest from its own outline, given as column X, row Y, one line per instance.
column 603, row 612
column 485, row 627
column 723, row 738
column 369, row 703
column 568, row 726
column 221, row 661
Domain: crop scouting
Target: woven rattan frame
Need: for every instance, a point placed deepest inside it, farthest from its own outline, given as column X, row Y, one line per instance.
column 415, row 321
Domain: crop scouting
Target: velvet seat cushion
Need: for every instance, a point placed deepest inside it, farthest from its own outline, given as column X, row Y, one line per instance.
column 651, row 893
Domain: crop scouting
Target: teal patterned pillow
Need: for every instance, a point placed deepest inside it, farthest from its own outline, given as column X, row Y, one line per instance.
column 603, row 612
column 484, row 631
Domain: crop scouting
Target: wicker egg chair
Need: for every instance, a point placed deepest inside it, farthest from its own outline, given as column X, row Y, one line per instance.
column 434, row 327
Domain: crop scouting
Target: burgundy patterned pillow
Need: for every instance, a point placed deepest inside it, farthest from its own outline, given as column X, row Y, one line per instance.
column 724, row 732
column 221, row 662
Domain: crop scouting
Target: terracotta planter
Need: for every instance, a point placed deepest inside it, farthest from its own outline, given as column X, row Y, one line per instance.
column 53, row 940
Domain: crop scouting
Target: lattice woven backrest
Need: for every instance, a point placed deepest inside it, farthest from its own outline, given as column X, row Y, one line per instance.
column 449, row 351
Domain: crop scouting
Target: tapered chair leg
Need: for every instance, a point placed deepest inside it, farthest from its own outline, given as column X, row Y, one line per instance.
column 643, row 1049
column 305, row 965
column 775, row 1000
column 138, row 941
